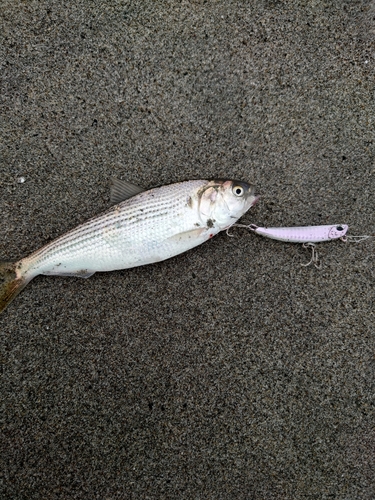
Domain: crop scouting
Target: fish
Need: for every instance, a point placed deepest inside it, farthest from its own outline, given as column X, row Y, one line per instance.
column 141, row 227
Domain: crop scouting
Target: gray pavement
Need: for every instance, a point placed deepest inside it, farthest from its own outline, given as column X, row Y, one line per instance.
column 229, row 372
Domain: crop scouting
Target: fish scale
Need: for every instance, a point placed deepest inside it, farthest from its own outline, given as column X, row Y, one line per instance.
column 108, row 246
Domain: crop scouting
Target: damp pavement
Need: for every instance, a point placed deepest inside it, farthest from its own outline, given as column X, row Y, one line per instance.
column 230, row 371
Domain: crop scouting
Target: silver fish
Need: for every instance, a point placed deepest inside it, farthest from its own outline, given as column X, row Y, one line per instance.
column 141, row 228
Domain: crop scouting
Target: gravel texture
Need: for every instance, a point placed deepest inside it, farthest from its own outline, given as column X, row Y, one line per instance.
column 229, row 372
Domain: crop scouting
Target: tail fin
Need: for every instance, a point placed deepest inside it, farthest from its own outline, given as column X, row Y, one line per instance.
column 10, row 285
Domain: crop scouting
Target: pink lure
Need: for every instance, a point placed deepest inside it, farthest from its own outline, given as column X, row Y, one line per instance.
column 303, row 234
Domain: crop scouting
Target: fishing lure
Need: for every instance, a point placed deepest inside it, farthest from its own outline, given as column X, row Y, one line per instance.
column 302, row 234
column 307, row 235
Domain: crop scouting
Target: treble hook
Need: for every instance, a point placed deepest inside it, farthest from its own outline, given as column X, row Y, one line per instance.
column 314, row 256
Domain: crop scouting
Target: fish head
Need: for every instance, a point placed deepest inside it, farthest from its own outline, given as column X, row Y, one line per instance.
column 225, row 201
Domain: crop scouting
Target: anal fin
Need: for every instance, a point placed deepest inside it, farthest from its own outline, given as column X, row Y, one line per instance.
column 76, row 274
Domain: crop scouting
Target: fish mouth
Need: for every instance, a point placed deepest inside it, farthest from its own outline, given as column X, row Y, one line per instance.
column 255, row 200
column 252, row 193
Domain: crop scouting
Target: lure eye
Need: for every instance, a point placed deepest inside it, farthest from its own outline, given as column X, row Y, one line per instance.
column 238, row 190
column 339, row 228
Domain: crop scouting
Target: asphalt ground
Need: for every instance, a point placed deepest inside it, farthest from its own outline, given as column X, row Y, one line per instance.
column 231, row 371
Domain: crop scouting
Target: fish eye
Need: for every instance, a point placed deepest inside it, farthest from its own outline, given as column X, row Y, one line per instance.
column 339, row 228
column 238, row 190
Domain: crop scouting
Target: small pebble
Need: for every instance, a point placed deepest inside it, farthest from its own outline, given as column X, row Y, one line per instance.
column 21, row 180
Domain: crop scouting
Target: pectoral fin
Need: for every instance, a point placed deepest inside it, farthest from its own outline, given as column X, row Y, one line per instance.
column 188, row 235
column 122, row 190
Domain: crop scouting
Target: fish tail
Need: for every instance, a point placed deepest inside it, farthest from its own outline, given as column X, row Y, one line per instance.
column 10, row 283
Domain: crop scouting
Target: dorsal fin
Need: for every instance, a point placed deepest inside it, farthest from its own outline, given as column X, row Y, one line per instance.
column 122, row 190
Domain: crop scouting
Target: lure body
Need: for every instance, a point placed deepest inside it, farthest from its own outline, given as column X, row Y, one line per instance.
column 302, row 234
